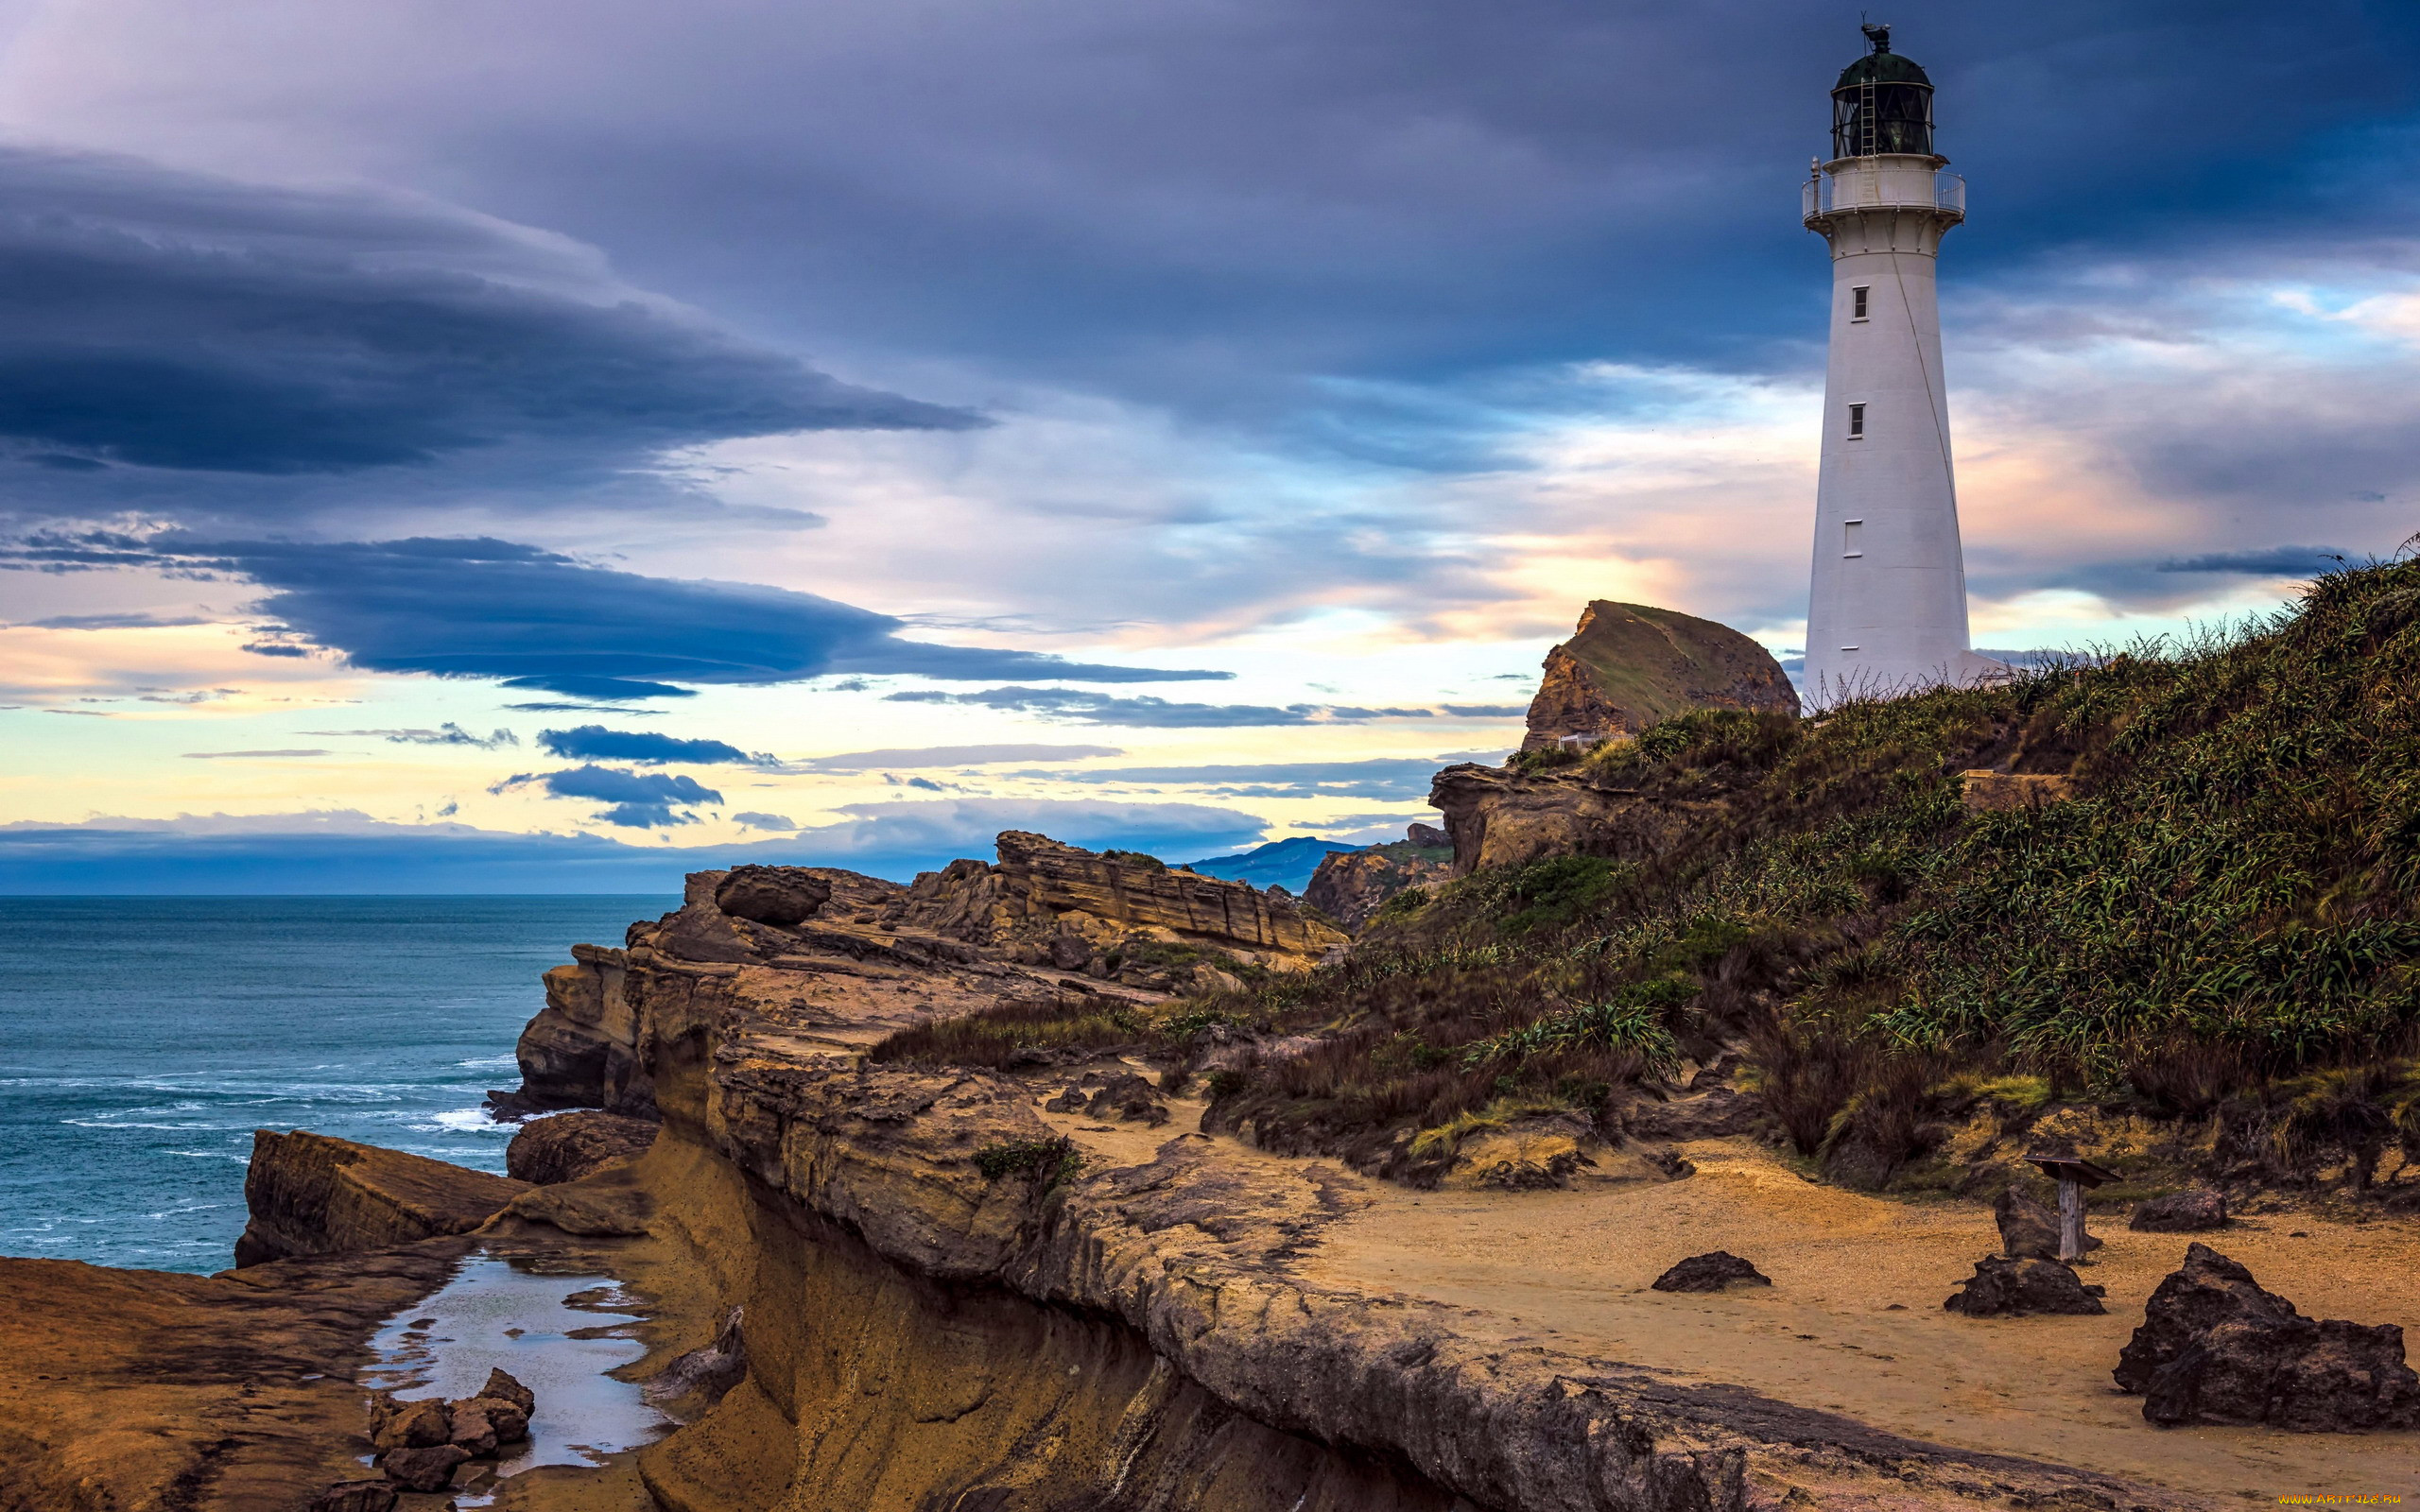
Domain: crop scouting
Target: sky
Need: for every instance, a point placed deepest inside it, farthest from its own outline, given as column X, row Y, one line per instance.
column 547, row 447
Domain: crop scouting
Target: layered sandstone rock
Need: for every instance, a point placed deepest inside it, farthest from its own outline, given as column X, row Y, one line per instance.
column 567, row 1146
column 1629, row 665
column 1504, row 816
column 311, row 1194
column 1041, row 893
column 1352, row 886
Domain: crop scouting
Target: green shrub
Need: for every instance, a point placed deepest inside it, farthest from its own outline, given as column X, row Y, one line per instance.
column 1053, row 1161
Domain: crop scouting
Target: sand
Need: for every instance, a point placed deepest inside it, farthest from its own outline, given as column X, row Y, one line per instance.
column 1570, row 1269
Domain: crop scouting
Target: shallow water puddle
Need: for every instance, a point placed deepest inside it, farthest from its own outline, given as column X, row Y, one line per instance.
column 557, row 1334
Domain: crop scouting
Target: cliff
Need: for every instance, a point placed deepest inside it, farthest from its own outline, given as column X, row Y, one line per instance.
column 1629, row 665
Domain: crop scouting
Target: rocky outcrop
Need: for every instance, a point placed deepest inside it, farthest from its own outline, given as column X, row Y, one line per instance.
column 311, row 1194
column 1350, row 887
column 1042, row 897
column 1504, row 816
column 1629, row 665
column 2002, row 1287
column 567, row 1146
column 2216, row 1347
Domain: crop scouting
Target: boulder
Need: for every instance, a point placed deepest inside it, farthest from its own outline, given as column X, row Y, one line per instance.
column 502, row 1386
column 2002, row 1287
column 1629, row 665
column 409, row 1425
column 2181, row 1213
column 468, row 1427
column 780, row 896
column 355, row 1496
column 423, row 1470
column 1710, row 1272
column 2029, row 1229
column 1428, row 837
column 2216, row 1347
column 570, row 1146
column 508, row 1420
column 1117, row 1095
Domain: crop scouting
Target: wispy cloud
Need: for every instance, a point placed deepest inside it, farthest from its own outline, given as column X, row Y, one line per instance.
column 1147, row 712
column 448, row 734
column 867, row 761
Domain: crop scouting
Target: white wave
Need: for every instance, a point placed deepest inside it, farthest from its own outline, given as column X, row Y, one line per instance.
column 466, row 1121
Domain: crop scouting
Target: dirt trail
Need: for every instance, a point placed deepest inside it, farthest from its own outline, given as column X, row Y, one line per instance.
column 1570, row 1269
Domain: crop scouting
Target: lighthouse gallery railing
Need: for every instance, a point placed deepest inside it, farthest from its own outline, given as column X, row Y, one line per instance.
column 1862, row 188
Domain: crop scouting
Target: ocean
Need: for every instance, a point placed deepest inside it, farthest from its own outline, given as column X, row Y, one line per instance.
column 143, row 1040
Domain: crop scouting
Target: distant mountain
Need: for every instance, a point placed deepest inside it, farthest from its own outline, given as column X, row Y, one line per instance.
column 1287, row 863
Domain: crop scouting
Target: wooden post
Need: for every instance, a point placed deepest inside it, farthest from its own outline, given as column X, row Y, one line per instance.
column 2070, row 1219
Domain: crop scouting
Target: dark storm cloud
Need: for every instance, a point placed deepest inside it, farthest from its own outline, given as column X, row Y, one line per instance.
column 2278, row 561
column 1186, row 199
column 537, row 619
column 639, row 801
column 1148, row 712
column 646, row 747
column 154, row 322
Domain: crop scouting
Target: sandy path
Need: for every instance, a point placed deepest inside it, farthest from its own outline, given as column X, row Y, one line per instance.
column 1570, row 1269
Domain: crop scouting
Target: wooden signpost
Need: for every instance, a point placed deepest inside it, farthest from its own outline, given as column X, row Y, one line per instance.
column 2075, row 1177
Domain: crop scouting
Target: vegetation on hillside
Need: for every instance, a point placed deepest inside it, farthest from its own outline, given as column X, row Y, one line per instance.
column 2219, row 927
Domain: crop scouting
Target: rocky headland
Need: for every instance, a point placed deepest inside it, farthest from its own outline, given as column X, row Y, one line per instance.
column 1069, row 1180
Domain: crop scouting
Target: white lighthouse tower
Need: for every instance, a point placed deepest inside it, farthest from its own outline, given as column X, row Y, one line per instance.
column 1886, row 611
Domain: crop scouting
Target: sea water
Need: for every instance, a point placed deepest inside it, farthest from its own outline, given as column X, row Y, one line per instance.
column 143, row 1040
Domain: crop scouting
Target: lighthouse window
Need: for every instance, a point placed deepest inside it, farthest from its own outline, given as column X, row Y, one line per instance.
column 1850, row 544
column 1856, row 422
column 1857, row 303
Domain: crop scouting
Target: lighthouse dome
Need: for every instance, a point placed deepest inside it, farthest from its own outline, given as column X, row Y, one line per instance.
column 1883, row 67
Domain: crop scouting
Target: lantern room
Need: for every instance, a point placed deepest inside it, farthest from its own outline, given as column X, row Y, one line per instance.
column 1883, row 104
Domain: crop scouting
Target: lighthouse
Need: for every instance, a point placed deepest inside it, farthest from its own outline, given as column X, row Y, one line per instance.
column 1886, row 609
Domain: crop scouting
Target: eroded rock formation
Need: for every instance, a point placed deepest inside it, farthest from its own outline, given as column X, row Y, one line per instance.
column 1629, row 665
column 311, row 1194
column 1504, row 816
